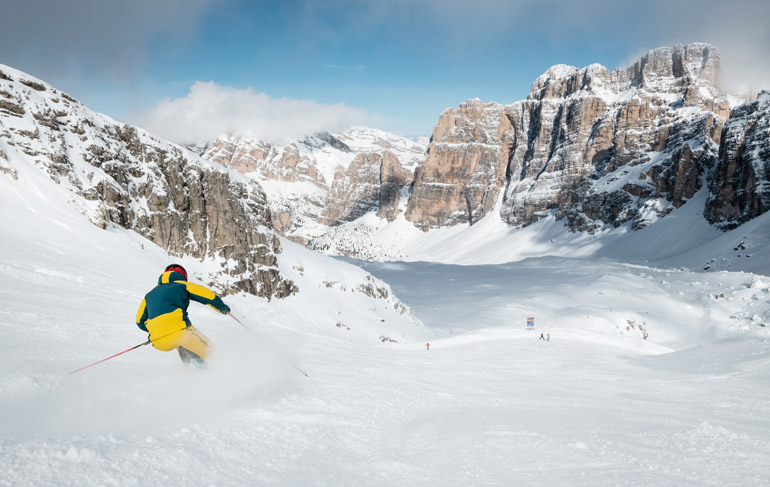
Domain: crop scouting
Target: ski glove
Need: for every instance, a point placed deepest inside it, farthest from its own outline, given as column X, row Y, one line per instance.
column 225, row 309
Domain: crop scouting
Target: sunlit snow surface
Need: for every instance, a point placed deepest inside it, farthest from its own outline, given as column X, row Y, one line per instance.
column 488, row 404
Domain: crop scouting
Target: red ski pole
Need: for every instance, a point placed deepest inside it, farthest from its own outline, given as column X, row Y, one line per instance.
column 104, row 360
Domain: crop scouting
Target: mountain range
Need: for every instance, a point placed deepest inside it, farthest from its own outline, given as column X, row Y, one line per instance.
column 594, row 150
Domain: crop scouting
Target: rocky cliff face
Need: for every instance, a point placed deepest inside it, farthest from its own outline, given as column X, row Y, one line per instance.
column 325, row 179
column 372, row 182
column 123, row 176
column 289, row 166
column 355, row 190
column 394, row 179
column 290, row 163
column 740, row 185
column 463, row 174
column 589, row 145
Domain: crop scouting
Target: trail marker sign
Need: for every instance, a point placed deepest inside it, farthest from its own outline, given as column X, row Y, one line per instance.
column 530, row 323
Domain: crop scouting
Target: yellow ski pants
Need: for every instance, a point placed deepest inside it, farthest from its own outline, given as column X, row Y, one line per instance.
column 169, row 331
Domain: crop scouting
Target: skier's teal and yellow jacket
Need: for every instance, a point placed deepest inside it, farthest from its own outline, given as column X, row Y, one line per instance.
column 164, row 309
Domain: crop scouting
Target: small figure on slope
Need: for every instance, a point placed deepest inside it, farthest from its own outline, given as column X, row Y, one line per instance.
column 548, row 337
column 163, row 314
column 427, row 346
column 541, row 337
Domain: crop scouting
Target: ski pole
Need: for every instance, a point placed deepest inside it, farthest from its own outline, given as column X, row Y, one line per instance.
column 252, row 332
column 239, row 321
column 104, row 360
column 124, row 351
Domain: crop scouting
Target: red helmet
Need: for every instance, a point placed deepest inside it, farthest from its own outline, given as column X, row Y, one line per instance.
column 177, row 268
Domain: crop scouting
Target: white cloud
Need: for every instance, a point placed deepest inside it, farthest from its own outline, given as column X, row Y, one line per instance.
column 210, row 110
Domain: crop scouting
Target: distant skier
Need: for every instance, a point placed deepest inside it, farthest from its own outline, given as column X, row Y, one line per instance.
column 427, row 346
column 541, row 337
column 163, row 314
column 548, row 337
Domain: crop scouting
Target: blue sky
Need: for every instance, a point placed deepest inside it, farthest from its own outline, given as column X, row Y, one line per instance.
column 392, row 64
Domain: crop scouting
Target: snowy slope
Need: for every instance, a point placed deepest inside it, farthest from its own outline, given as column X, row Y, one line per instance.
column 46, row 231
column 683, row 238
column 489, row 404
column 55, row 149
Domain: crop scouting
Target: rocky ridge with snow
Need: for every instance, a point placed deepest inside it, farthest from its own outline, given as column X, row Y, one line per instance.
column 740, row 186
column 588, row 145
column 121, row 175
column 324, row 180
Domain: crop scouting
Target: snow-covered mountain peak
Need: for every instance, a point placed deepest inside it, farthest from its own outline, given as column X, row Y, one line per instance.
column 556, row 72
column 367, row 139
column 665, row 70
column 697, row 61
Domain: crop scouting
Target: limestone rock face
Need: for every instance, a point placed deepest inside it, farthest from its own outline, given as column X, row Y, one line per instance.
column 740, row 185
column 325, row 179
column 464, row 172
column 355, row 190
column 607, row 148
column 280, row 163
column 591, row 146
column 281, row 167
column 599, row 147
column 372, row 182
column 394, row 179
column 124, row 176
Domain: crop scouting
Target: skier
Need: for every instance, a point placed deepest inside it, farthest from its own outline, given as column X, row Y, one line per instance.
column 427, row 346
column 163, row 314
column 548, row 337
column 541, row 337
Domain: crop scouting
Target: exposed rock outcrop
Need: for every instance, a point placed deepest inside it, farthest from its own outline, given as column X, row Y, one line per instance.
column 589, row 145
column 394, row 178
column 126, row 177
column 463, row 174
column 327, row 179
column 740, row 186
column 281, row 163
column 355, row 190
column 372, row 182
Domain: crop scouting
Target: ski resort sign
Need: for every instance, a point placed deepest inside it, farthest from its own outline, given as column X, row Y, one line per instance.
column 530, row 323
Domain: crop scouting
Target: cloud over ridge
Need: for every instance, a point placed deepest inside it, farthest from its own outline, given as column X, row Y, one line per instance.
column 210, row 110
